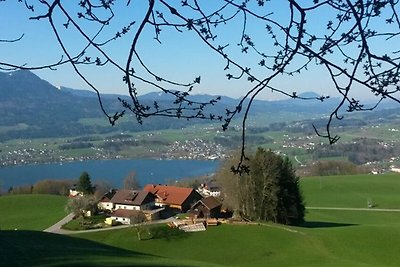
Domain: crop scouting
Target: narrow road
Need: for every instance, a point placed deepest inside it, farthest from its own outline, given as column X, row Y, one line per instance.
column 298, row 161
column 56, row 228
column 352, row 209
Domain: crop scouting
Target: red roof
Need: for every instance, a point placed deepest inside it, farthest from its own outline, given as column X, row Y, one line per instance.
column 170, row 195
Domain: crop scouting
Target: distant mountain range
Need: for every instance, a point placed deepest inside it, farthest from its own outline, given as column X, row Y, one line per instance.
column 290, row 105
column 32, row 107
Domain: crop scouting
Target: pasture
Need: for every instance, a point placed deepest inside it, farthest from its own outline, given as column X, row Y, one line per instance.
column 352, row 191
column 357, row 238
column 31, row 212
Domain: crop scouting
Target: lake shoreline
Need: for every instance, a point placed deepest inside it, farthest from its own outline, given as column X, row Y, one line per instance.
column 110, row 170
column 27, row 162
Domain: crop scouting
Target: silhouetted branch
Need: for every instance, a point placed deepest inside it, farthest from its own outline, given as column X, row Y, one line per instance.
column 358, row 48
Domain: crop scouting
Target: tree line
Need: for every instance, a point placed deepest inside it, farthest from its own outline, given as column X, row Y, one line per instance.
column 359, row 151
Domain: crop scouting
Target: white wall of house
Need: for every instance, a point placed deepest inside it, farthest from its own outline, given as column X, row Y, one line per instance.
column 147, row 206
column 205, row 192
column 215, row 193
column 126, row 207
column 106, row 206
column 75, row 193
column 121, row 220
column 159, row 203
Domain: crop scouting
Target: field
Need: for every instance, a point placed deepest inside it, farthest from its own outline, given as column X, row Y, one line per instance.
column 356, row 238
column 297, row 140
column 352, row 191
column 31, row 212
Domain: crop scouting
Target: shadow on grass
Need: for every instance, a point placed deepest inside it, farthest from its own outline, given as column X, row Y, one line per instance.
column 32, row 248
column 317, row 224
column 165, row 233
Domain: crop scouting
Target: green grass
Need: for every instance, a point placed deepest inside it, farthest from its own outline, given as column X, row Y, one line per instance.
column 363, row 238
column 329, row 237
column 92, row 222
column 338, row 238
column 30, row 212
column 31, row 248
column 352, row 191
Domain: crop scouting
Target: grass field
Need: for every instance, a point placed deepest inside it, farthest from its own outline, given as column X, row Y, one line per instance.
column 352, row 191
column 328, row 238
column 31, row 212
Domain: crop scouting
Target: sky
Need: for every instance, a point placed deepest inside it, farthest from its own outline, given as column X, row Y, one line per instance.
column 180, row 56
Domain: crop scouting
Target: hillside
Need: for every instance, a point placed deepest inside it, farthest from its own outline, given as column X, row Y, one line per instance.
column 356, row 238
column 31, row 212
column 33, row 108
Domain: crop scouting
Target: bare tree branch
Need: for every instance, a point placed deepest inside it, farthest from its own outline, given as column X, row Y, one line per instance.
column 349, row 48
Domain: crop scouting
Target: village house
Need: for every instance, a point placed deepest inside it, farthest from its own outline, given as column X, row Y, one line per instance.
column 173, row 197
column 209, row 189
column 123, row 216
column 105, row 202
column 127, row 204
column 133, row 200
column 73, row 192
column 208, row 207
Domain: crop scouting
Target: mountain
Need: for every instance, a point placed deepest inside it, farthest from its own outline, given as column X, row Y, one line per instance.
column 87, row 93
column 41, row 108
column 46, row 111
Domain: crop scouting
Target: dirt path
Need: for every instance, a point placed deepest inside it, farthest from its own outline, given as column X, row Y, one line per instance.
column 56, row 228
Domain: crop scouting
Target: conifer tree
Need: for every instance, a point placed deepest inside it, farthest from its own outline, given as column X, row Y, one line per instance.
column 84, row 184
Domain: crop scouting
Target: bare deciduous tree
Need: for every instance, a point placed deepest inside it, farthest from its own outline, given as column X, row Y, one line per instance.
column 81, row 205
column 353, row 42
column 131, row 182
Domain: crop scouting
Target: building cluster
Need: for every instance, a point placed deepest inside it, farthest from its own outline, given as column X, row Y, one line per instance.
column 157, row 202
column 195, row 149
column 189, row 149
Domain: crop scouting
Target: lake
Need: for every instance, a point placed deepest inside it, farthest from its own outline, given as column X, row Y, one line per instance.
column 113, row 171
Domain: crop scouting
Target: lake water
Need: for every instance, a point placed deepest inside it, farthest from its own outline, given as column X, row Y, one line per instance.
column 113, row 171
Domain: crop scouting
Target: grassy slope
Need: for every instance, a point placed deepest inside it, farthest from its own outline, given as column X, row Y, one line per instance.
column 31, row 212
column 352, row 191
column 32, row 248
column 329, row 238
column 351, row 239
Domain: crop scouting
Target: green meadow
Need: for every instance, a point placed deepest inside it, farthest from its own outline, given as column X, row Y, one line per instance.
column 356, row 238
column 31, row 212
column 352, row 191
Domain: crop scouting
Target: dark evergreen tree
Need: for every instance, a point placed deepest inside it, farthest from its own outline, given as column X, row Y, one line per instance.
column 84, row 184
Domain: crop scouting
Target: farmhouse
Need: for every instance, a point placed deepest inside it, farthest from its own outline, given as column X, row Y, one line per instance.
column 208, row 207
column 105, row 202
column 127, row 204
column 173, row 197
column 124, row 216
column 73, row 192
column 133, row 200
column 209, row 189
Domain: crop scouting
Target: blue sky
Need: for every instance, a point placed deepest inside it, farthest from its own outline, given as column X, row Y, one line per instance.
column 180, row 57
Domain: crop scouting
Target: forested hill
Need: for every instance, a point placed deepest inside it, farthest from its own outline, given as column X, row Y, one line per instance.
column 25, row 98
column 32, row 107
